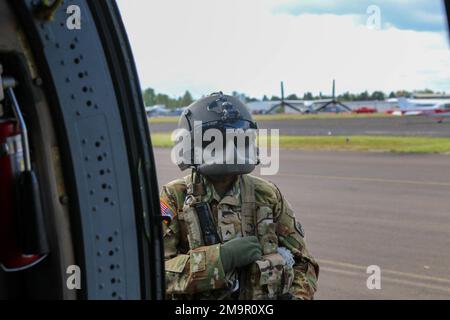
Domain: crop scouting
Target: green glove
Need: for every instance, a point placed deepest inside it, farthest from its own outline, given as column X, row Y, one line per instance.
column 240, row 252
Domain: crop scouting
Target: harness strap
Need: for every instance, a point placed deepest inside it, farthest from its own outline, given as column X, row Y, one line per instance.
column 195, row 185
column 248, row 206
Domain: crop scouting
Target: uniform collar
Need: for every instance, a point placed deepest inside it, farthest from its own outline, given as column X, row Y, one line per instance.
column 232, row 197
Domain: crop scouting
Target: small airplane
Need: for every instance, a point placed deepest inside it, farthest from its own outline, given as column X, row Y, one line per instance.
column 157, row 110
column 160, row 110
column 438, row 108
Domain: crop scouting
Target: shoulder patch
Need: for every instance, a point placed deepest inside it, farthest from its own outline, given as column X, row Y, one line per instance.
column 299, row 228
column 167, row 211
column 174, row 192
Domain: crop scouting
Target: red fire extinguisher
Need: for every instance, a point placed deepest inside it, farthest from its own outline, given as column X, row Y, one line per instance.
column 17, row 185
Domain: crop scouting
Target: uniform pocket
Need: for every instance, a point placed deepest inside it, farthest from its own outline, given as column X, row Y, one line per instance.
column 229, row 224
column 271, row 277
column 192, row 227
column 177, row 264
column 266, row 230
column 198, row 261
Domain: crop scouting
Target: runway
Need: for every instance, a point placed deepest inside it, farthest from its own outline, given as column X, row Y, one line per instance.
column 362, row 209
column 391, row 126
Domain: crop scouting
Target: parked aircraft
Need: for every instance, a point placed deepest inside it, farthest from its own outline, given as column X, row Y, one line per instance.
column 438, row 108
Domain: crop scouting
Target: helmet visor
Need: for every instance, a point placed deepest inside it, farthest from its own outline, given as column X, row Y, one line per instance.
column 223, row 125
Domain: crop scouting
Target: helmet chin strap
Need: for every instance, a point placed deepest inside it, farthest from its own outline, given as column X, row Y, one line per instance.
column 221, row 183
column 220, row 178
column 196, row 176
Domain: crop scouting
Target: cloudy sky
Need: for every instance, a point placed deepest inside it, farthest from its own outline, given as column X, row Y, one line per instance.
column 251, row 45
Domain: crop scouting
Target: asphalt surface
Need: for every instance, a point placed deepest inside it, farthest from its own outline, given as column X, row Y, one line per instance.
column 393, row 126
column 361, row 209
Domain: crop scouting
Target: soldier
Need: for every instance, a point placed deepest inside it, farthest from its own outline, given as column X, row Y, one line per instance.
column 228, row 234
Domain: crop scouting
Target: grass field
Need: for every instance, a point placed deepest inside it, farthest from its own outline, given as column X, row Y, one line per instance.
column 353, row 143
column 279, row 117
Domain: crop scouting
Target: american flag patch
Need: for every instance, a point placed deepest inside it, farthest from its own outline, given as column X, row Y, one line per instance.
column 166, row 210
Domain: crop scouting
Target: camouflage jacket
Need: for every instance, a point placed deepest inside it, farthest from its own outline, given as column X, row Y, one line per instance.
column 198, row 273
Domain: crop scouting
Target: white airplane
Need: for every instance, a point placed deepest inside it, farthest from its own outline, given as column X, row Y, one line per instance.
column 438, row 108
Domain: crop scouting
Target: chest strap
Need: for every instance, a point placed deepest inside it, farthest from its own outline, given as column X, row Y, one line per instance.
column 248, row 212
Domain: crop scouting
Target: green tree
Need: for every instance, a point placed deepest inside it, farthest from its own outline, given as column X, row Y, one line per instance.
column 363, row 96
column 292, row 97
column 377, row 95
column 425, row 91
column 162, row 99
column 346, row 96
column 308, row 96
column 403, row 93
column 186, row 99
column 240, row 96
column 149, row 97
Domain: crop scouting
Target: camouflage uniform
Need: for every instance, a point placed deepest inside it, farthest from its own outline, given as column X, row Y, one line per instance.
column 198, row 273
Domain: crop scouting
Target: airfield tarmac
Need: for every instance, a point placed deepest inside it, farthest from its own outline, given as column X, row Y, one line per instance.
column 386, row 126
column 361, row 209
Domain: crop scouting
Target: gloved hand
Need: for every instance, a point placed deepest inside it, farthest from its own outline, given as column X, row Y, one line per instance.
column 240, row 252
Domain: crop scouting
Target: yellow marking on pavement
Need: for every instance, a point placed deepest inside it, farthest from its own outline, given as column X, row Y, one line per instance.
column 384, row 271
column 412, row 182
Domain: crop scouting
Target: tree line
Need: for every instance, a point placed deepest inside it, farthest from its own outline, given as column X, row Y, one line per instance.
column 152, row 98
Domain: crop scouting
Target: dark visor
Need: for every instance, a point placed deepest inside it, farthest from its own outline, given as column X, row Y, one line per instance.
column 223, row 125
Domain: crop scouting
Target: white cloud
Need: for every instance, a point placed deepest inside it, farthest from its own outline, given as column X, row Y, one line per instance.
column 210, row 45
